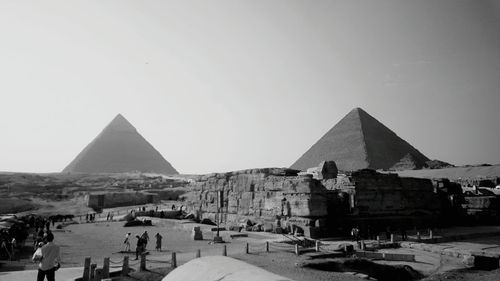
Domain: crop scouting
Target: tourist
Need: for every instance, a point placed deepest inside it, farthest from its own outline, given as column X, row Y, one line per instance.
column 158, row 241
column 145, row 236
column 48, row 256
column 127, row 242
column 355, row 234
column 139, row 249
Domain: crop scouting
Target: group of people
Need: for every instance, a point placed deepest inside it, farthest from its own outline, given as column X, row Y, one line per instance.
column 142, row 242
column 90, row 217
column 109, row 217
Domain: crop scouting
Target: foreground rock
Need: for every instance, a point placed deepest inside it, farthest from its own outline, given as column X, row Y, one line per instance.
column 219, row 268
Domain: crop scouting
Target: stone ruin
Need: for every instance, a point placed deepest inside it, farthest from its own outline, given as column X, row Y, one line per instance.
column 317, row 203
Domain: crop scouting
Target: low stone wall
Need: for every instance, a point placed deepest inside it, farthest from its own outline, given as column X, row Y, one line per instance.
column 118, row 199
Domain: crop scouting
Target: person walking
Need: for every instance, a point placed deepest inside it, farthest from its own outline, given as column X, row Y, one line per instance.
column 127, row 242
column 139, row 249
column 158, row 241
column 145, row 236
column 49, row 258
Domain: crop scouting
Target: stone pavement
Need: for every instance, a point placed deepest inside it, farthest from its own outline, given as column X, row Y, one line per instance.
column 63, row 274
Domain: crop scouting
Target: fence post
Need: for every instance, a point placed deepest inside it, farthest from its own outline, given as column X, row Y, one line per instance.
column 297, row 249
column 392, row 238
column 418, row 236
column 246, row 248
column 143, row 262
column 174, row 260
column 431, row 236
column 224, row 250
column 198, row 253
column 316, row 246
column 92, row 271
column 267, row 246
column 362, row 245
column 98, row 274
column 125, row 266
column 105, row 268
column 86, row 269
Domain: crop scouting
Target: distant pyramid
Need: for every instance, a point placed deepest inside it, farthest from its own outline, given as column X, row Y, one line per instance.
column 120, row 148
column 359, row 141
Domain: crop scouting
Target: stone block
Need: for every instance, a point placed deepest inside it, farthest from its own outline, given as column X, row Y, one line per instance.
column 268, row 227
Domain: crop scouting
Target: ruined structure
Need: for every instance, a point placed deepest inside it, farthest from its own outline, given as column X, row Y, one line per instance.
column 359, row 141
column 119, row 148
column 279, row 198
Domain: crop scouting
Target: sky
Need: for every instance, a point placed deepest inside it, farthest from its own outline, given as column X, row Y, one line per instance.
column 226, row 85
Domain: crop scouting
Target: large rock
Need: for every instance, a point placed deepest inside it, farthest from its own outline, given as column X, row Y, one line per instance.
column 220, row 268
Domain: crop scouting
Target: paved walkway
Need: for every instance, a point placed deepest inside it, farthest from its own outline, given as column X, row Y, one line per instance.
column 63, row 274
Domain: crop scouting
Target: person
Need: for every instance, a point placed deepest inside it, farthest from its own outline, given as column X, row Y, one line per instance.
column 145, row 236
column 49, row 258
column 127, row 242
column 139, row 249
column 158, row 241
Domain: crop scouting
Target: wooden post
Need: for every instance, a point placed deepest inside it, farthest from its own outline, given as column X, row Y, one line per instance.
column 224, row 250
column 92, row 271
column 246, row 248
column 378, row 239
column 345, row 248
column 125, row 266
column 267, row 246
column 362, row 245
column 317, row 246
column 174, row 260
column 98, row 274
column 198, row 253
column 105, row 268
column 86, row 269
column 297, row 249
column 143, row 262
column 431, row 236
column 418, row 236
column 392, row 238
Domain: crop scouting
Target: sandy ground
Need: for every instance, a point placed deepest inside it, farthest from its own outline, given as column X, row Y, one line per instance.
column 105, row 239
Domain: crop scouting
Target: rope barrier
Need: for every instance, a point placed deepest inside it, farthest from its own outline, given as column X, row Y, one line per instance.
column 158, row 261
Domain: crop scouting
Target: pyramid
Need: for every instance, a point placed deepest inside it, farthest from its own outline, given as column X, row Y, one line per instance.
column 359, row 141
column 119, row 148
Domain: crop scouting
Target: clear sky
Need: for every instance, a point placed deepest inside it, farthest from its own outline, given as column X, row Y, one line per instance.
column 226, row 85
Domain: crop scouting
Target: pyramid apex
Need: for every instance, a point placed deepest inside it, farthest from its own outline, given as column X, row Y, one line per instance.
column 358, row 110
column 120, row 123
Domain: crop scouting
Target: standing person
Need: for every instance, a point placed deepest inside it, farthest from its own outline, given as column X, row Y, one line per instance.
column 158, row 241
column 127, row 242
column 145, row 236
column 49, row 258
column 139, row 249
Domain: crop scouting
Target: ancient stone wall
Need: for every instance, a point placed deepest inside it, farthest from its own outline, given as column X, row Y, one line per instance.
column 260, row 194
column 264, row 195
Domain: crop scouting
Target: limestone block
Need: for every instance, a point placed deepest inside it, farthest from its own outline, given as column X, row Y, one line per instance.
column 268, row 227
